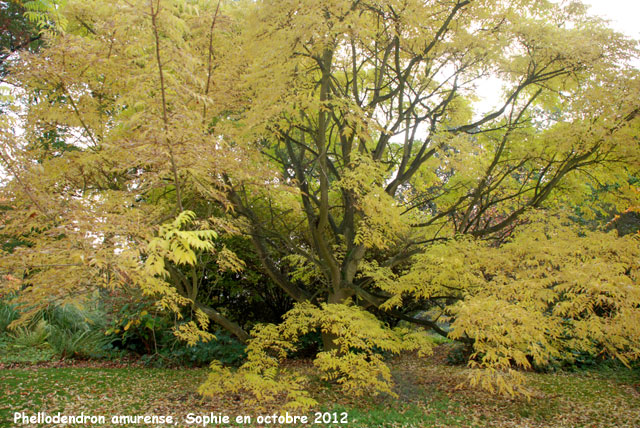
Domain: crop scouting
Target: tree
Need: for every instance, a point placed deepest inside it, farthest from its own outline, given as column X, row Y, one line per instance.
column 366, row 110
column 342, row 137
column 369, row 121
column 107, row 204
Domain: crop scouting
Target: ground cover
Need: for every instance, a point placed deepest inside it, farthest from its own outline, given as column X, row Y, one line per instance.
column 428, row 396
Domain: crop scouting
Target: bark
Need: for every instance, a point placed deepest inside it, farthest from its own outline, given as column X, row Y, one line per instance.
column 224, row 322
column 183, row 287
column 339, row 296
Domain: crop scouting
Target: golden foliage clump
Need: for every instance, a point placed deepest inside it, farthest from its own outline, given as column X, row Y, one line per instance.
column 552, row 289
column 354, row 360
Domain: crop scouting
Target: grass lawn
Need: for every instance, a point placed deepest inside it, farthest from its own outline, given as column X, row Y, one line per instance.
column 427, row 397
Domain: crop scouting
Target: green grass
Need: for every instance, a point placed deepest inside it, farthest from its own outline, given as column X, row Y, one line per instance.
column 431, row 410
column 426, row 397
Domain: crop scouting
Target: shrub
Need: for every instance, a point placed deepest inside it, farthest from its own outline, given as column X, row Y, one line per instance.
column 89, row 343
column 8, row 314
column 459, row 354
column 25, row 337
column 137, row 328
column 224, row 348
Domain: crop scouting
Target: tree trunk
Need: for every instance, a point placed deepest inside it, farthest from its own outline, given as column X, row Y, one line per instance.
column 337, row 297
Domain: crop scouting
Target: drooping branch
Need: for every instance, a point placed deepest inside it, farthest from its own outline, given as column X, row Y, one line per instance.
column 376, row 302
column 189, row 290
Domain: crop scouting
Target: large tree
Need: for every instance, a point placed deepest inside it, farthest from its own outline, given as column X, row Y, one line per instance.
column 110, row 148
column 367, row 109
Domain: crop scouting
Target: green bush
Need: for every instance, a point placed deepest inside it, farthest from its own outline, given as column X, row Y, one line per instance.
column 8, row 314
column 68, row 331
column 73, row 319
column 89, row 343
column 576, row 360
column 137, row 328
column 459, row 354
column 173, row 352
column 25, row 337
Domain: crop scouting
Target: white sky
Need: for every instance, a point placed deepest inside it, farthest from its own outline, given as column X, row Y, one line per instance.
column 623, row 14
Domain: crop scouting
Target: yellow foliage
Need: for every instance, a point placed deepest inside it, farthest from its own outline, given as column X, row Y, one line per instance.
column 345, row 135
column 551, row 290
column 355, row 363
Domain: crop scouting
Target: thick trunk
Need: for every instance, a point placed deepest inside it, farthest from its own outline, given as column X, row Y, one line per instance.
column 337, row 297
column 328, row 341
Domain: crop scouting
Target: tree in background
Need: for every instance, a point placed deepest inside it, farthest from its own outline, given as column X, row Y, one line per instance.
column 17, row 33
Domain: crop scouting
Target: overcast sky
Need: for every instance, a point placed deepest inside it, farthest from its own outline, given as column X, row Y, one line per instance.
column 623, row 14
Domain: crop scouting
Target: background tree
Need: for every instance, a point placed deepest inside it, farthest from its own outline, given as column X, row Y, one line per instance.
column 135, row 153
column 17, row 33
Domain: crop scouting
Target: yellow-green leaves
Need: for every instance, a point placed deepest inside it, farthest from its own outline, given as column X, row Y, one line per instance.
column 176, row 247
column 380, row 219
column 354, row 361
column 179, row 246
column 551, row 290
column 45, row 14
